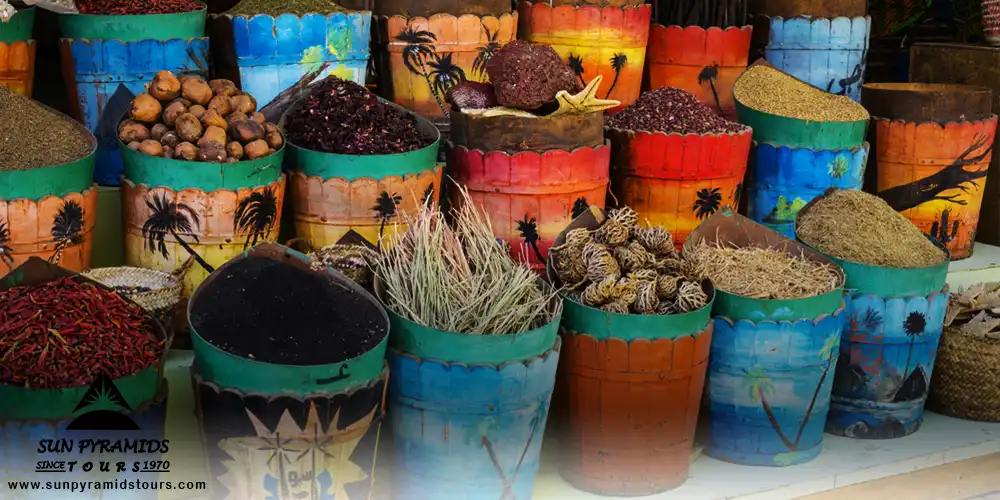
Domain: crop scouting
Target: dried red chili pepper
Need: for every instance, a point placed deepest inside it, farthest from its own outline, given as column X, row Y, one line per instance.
column 51, row 338
column 135, row 7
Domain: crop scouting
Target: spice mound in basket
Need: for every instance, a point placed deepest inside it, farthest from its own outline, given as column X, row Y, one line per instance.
column 528, row 80
column 125, row 7
column 625, row 268
column 275, row 8
column 342, row 117
column 459, row 278
column 672, row 111
column 769, row 90
column 194, row 120
column 32, row 136
column 64, row 334
column 862, row 228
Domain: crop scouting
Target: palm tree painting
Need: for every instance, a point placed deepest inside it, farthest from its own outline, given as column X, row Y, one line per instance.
column 5, row 250
column 385, row 210
column 576, row 64
column 485, row 51
column 419, row 48
column 175, row 219
column 529, row 231
column 580, row 206
column 256, row 215
column 67, row 228
column 709, row 74
column 444, row 74
column 428, row 195
column 618, row 62
column 709, row 201
column 913, row 327
column 838, row 167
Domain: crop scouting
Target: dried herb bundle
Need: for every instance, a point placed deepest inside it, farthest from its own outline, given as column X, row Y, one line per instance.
column 459, row 279
column 673, row 111
column 626, row 268
column 342, row 117
column 976, row 311
column 703, row 13
column 761, row 273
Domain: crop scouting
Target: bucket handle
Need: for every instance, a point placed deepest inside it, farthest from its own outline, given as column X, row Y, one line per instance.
column 179, row 273
column 342, row 376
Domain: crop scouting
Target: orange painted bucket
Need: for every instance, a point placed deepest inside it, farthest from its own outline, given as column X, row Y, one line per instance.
column 17, row 66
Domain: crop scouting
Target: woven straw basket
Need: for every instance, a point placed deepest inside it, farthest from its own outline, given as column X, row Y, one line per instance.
column 991, row 21
column 164, row 289
column 966, row 382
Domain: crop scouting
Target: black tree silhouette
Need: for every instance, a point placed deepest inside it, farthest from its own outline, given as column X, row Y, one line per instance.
column 709, row 74
column 256, row 215
column 576, row 64
column 618, row 62
column 385, row 210
column 579, row 207
column 485, row 51
column 954, row 176
column 444, row 75
column 913, row 327
column 5, row 250
column 708, row 202
column 419, row 48
column 428, row 195
column 66, row 228
column 941, row 229
column 529, row 231
column 846, row 83
column 175, row 219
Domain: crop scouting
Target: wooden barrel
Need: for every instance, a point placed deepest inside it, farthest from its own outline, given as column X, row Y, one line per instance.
column 99, row 53
column 417, row 59
column 427, row 8
column 704, row 62
column 17, row 52
column 827, row 53
column 265, row 55
column 815, row 8
column 781, row 180
column 608, row 41
column 674, row 180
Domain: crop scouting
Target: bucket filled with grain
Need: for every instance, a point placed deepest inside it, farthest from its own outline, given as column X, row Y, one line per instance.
column 48, row 199
column 777, row 325
column 675, row 161
column 784, row 110
column 896, row 304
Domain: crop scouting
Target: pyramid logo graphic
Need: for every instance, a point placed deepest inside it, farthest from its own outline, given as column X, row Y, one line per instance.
column 107, row 410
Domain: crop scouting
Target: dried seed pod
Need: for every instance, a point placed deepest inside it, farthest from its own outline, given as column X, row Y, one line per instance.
column 625, row 291
column 646, row 299
column 666, row 307
column 670, row 265
column 578, row 237
column 690, row 297
column 644, row 275
column 612, row 233
column 657, row 240
column 600, row 263
column 568, row 268
column 624, row 216
column 634, row 257
column 598, row 292
column 666, row 286
column 616, row 307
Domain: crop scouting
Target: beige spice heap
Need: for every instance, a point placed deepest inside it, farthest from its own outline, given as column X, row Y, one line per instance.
column 766, row 89
column 858, row 227
column 761, row 273
column 625, row 268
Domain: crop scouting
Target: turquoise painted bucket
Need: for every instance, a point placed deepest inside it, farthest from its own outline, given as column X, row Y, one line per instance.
column 829, row 54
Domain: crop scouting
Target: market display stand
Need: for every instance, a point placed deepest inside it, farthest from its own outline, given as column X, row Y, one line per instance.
column 844, row 462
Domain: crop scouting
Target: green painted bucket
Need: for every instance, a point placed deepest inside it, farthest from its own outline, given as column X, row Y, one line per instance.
column 727, row 227
column 133, row 28
column 20, row 26
column 229, row 371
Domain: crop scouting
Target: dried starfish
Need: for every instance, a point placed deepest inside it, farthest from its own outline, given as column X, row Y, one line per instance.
column 584, row 102
column 499, row 111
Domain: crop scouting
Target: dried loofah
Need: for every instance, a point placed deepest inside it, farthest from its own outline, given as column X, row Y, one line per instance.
column 690, row 297
column 666, row 307
column 644, row 275
column 612, row 233
column 615, row 307
column 598, row 293
column 646, row 299
column 666, row 286
column 657, row 240
column 634, row 257
column 600, row 263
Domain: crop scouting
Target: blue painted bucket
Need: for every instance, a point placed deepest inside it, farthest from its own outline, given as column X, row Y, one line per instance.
column 782, row 180
column 768, row 389
column 468, row 431
column 265, row 55
column 94, row 68
column 829, row 54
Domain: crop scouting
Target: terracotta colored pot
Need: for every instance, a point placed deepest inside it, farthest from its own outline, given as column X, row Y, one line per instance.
column 703, row 62
column 608, row 41
column 674, row 180
column 418, row 59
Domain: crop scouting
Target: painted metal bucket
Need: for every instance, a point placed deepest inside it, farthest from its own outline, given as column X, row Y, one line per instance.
column 99, row 53
column 49, row 212
column 17, row 52
column 175, row 210
column 265, row 55
column 468, row 417
column 417, row 59
column 770, row 370
column 674, row 180
column 704, row 62
column 829, row 54
column 608, row 41
column 782, row 180
column 334, row 195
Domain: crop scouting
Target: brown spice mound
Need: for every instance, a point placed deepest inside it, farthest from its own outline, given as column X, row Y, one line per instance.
column 527, row 76
column 472, row 95
column 772, row 91
column 31, row 136
column 762, row 273
column 673, row 111
column 858, row 227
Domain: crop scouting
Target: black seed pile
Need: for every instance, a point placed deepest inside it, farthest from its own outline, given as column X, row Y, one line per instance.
column 342, row 117
column 32, row 136
column 673, row 111
column 274, row 312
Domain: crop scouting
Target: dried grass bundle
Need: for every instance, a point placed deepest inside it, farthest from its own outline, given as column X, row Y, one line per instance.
column 459, row 278
column 761, row 273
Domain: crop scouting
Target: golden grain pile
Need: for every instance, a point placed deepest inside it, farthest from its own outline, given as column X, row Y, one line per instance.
column 859, row 227
column 761, row 273
column 626, row 268
column 772, row 91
